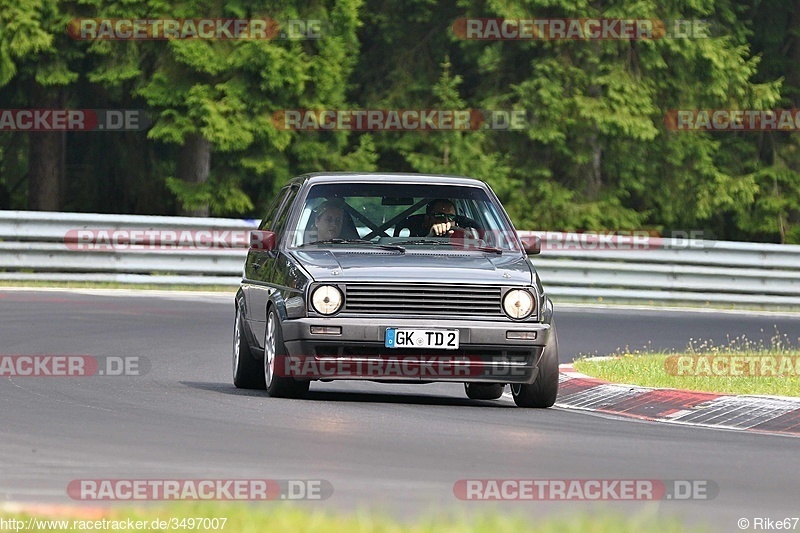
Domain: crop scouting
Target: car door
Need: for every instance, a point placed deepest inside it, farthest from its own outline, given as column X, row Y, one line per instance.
column 259, row 271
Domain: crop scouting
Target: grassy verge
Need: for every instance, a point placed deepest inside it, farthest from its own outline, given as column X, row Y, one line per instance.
column 279, row 519
column 740, row 367
column 673, row 304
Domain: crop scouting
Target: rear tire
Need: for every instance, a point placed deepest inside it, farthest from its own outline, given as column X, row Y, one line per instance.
column 484, row 391
column 542, row 392
column 278, row 384
column 247, row 372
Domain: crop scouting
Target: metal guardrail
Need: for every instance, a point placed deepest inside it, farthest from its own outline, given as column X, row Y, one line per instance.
column 673, row 270
column 42, row 246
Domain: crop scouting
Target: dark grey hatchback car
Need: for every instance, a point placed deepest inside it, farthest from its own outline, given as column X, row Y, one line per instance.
column 395, row 278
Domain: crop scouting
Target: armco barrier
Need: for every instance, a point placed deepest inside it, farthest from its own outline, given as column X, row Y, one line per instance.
column 675, row 270
column 33, row 247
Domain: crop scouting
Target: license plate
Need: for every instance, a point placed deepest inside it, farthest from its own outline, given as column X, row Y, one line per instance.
column 442, row 339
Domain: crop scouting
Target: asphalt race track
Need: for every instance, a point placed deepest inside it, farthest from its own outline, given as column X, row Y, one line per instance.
column 395, row 448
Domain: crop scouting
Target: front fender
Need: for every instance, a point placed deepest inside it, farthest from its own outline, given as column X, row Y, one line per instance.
column 547, row 315
column 277, row 301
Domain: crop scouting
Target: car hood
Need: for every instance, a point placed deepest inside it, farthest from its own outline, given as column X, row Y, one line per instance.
column 384, row 265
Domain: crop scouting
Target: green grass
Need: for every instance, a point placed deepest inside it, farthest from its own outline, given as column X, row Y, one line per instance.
column 283, row 518
column 694, row 368
column 672, row 304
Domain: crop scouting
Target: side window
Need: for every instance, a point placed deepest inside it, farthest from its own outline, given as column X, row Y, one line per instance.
column 283, row 213
column 305, row 230
column 272, row 210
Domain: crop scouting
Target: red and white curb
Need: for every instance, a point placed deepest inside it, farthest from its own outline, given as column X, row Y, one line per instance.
column 751, row 413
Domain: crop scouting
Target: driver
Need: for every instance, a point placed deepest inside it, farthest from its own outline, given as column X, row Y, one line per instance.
column 440, row 217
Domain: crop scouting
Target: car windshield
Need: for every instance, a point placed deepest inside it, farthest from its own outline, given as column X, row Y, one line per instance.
column 402, row 214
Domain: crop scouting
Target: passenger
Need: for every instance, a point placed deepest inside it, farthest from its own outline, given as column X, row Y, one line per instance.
column 328, row 219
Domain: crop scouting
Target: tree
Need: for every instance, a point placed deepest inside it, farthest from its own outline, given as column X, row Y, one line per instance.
column 773, row 157
column 38, row 56
column 216, row 99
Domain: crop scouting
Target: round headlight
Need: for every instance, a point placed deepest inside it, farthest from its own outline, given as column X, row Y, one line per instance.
column 326, row 299
column 518, row 303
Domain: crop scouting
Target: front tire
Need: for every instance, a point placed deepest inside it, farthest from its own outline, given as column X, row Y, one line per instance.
column 278, row 384
column 543, row 391
column 483, row 391
column 247, row 372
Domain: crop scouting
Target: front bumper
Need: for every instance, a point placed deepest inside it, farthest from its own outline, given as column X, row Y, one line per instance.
column 485, row 354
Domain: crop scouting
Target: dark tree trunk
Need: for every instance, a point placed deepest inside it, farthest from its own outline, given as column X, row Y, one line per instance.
column 594, row 179
column 793, row 54
column 789, row 218
column 194, row 165
column 46, row 155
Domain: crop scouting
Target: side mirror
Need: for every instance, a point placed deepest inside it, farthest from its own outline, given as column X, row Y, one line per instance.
column 532, row 245
column 263, row 240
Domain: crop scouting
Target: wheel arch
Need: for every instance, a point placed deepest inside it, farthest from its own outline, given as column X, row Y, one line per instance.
column 276, row 301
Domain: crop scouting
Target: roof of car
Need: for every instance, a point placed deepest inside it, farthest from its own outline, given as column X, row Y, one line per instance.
column 391, row 177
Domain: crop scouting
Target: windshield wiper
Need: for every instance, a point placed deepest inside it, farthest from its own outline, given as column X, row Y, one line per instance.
column 424, row 241
column 355, row 241
column 488, row 249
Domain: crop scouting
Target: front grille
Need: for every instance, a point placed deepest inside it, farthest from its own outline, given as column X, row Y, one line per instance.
column 421, row 299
